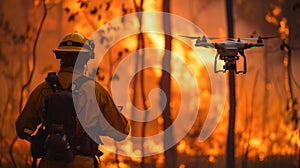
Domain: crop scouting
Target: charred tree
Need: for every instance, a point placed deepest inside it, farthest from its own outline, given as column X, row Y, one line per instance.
column 230, row 161
column 165, row 85
column 140, row 59
column 287, row 46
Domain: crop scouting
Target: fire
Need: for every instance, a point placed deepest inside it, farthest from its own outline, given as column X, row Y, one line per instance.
column 276, row 10
column 181, row 146
column 256, row 143
column 212, row 159
column 130, row 43
column 260, row 145
column 157, row 40
column 181, row 166
column 184, row 148
column 294, row 137
column 155, row 147
column 275, row 17
column 283, row 28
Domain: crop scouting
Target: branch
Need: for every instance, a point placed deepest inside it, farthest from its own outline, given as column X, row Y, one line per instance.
column 30, row 77
column 34, row 54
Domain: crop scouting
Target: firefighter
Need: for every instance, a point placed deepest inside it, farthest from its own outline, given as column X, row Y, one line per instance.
column 32, row 114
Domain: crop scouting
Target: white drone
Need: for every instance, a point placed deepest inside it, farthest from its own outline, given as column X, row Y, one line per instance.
column 228, row 50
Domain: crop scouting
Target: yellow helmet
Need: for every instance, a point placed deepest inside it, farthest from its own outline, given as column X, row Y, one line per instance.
column 75, row 42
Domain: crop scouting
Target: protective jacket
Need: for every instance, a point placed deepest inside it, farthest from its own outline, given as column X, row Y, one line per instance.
column 103, row 120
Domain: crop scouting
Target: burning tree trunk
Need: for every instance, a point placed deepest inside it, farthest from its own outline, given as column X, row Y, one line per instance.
column 285, row 31
column 291, row 100
column 165, row 85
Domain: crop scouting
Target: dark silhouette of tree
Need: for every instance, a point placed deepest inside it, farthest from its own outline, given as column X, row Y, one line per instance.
column 22, row 39
column 165, row 85
column 230, row 162
column 140, row 60
column 288, row 36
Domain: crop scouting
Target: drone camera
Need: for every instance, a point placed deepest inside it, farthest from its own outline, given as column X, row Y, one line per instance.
column 229, row 66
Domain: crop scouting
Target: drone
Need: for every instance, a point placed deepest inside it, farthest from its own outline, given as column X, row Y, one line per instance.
column 230, row 50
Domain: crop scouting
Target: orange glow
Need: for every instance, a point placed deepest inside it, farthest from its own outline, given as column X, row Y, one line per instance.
column 155, row 147
column 269, row 18
column 212, row 159
column 277, row 140
column 152, row 5
column 30, row 65
column 160, row 120
column 294, row 136
column 283, row 28
column 181, row 146
column 275, row 17
column 256, row 143
column 36, row 2
column 181, row 166
column 277, row 10
column 261, row 156
column 156, row 40
column 130, row 43
column 259, row 147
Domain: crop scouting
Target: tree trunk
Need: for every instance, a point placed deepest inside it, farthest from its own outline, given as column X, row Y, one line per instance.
column 140, row 58
column 230, row 161
column 165, row 85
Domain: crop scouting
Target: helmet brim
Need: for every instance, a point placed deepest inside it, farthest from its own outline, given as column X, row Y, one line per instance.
column 70, row 50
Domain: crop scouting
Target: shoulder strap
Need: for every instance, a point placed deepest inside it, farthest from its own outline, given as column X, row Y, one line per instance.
column 53, row 81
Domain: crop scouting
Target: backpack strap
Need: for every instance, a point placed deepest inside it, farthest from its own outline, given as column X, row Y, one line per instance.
column 53, row 81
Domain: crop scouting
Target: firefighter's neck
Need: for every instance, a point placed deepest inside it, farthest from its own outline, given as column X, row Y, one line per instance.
column 70, row 69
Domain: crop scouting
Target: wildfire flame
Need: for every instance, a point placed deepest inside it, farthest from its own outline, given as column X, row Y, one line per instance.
column 276, row 141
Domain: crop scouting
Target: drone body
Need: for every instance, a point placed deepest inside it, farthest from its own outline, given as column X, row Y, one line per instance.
column 229, row 51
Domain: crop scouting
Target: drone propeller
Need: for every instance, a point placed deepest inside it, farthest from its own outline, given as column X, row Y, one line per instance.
column 203, row 37
column 254, row 38
column 190, row 37
column 231, row 39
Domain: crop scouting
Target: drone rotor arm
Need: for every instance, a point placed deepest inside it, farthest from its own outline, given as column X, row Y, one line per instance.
column 253, row 45
column 205, row 44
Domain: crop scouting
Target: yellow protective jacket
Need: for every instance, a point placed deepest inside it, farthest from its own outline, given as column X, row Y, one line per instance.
column 30, row 117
